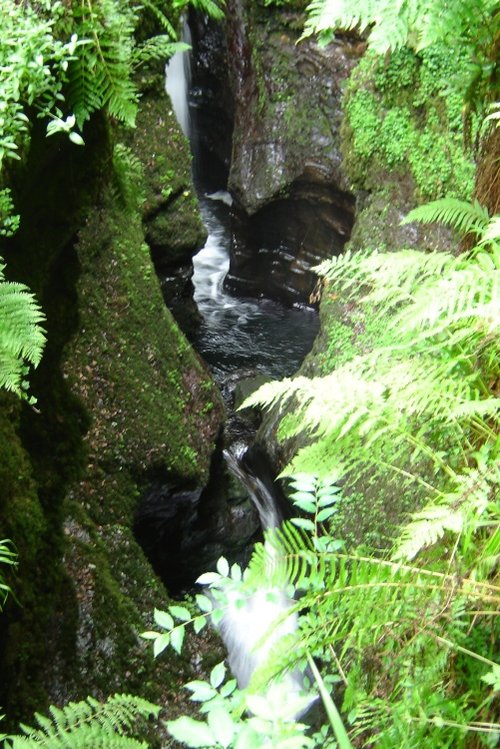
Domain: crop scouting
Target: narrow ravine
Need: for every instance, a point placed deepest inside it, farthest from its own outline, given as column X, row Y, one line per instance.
column 244, row 341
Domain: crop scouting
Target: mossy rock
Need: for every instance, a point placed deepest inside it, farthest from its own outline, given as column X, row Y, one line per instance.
column 134, row 370
column 174, row 229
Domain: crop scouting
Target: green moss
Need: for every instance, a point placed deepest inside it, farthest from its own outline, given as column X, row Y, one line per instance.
column 170, row 207
column 117, row 370
column 403, row 114
column 133, row 369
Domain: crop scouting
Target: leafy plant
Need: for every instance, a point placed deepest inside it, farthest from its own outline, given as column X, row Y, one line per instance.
column 388, row 632
column 415, row 23
column 8, row 557
column 405, row 114
column 21, row 337
column 404, row 640
column 88, row 723
column 33, row 65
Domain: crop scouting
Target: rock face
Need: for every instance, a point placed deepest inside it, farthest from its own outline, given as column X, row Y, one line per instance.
column 211, row 103
column 174, row 230
column 292, row 203
column 123, row 404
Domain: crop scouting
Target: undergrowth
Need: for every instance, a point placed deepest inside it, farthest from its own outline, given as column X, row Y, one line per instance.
column 406, row 112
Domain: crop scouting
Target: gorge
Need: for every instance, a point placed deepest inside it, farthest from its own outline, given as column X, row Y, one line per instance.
column 172, row 258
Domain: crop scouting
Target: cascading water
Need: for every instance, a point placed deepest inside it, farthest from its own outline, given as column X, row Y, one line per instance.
column 253, row 626
column 244, row 335
column 177, row 78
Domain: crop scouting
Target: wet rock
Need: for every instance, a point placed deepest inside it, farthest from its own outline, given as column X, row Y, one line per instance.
column 184, row 532
column 211, row 103
column 292, row 207
column 274, row 251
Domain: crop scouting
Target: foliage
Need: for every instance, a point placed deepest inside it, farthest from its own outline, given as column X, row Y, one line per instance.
column 100, row 75
column 430, row 380
column 399, row 662
column 88, row 723
column 404, row 641
column 68, row 60
column 419, row 24
column 8, row 557
column 33, row 64
column 21, row 337
column 9, row 222
column 404, row 114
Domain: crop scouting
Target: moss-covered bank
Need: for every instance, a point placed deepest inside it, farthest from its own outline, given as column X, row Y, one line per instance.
column 122, row 402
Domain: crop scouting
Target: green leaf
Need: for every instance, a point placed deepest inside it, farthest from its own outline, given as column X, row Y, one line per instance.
column 76, row 138
column 192, row 732
column 222, row 726
column 236, row 572
column 160, row 644
column 228, row 688
column 208, row 578
column 149, row 635
column 304, row 523
column 223, row 566
column 163, row 619
column 177, row 638
column 217, row 674
column 493, row 678
column 180, row 613
column 204, row 603
column 248, row 738
column 199, row 623
column 202, row 691
column 324, row 514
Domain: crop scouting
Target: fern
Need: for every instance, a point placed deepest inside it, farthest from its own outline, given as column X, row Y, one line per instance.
column 465, row 506
column 7, row 557
column 88, row 723
column 418, row 23
column 21, row 337
column 462, row 216
column 156, row 48
column 212, row 8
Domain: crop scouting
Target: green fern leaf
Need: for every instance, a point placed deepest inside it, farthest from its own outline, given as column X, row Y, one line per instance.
column 21, row 337
column 89, row 723
column 462, row 216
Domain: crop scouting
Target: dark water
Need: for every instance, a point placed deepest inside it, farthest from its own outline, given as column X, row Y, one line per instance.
column 243, row 333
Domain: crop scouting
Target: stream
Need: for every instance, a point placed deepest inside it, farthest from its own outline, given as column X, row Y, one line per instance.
column 243, row 334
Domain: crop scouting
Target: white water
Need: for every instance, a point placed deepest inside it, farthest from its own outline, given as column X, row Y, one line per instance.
column 177, row 80
column 253, row 626
column 242, row 334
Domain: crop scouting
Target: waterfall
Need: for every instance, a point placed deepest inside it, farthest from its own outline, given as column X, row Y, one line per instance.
column 253, row 626
column 177, row 81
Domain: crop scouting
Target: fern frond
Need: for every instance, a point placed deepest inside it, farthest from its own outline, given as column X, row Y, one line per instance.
column 89, row 723
column 160, row 16
column 213, row 8
column 461, row 507
column 465, row 293
column 284, row 558
column 157, row 48
column 387, row 279
column 100, row 76
column 460, row 215
column 21, row 337
column 406, row 22
column 492, row 231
